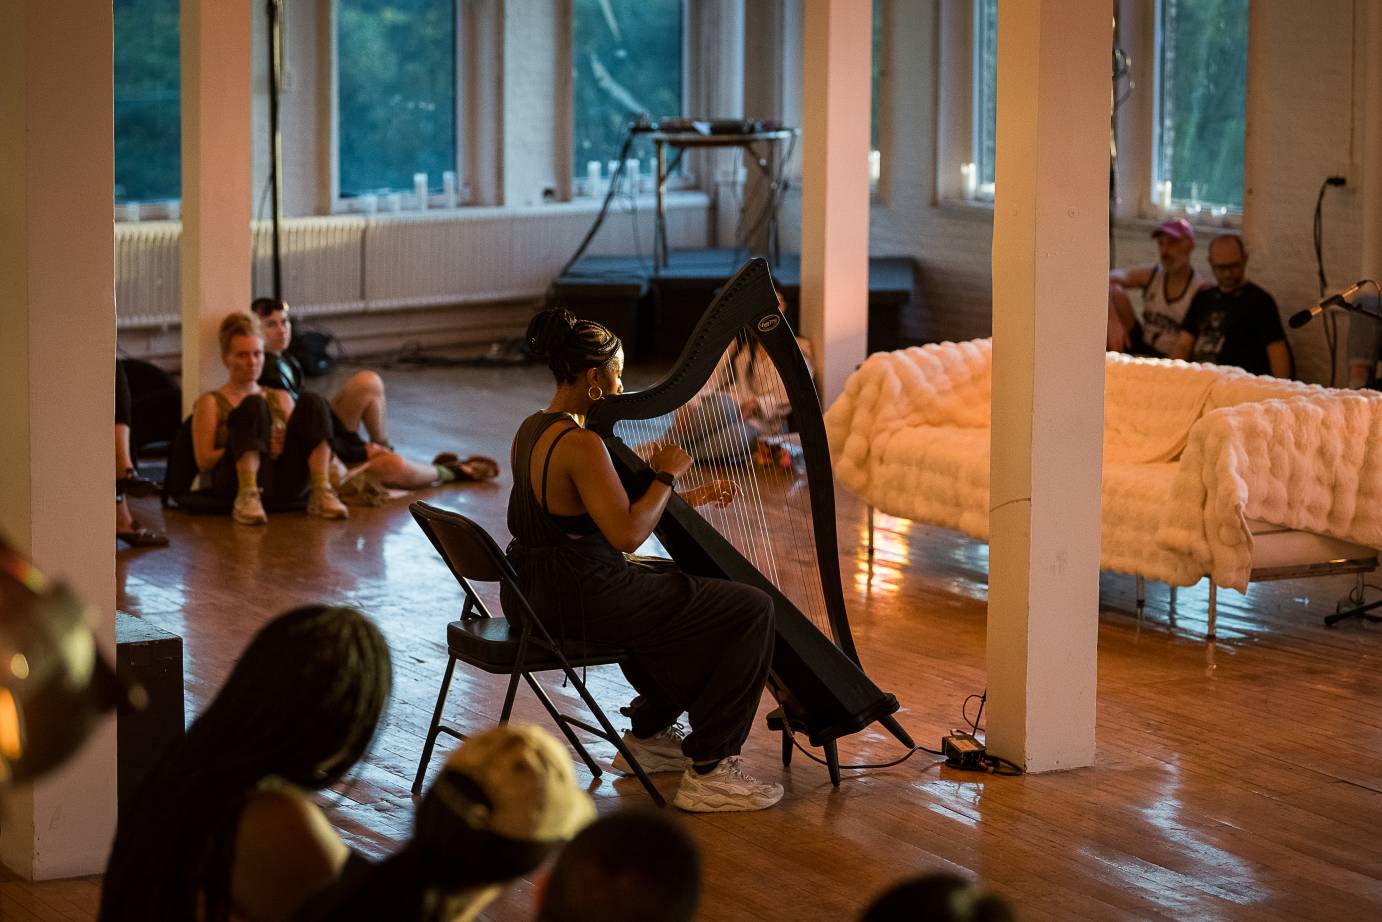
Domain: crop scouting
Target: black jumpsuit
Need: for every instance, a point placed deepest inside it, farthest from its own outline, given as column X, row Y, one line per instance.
column 698, row 645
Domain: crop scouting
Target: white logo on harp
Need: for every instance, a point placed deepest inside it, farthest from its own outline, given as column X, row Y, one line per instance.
column 769, row 323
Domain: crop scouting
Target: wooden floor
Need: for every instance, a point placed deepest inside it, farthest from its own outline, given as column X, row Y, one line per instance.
column 1235, row 780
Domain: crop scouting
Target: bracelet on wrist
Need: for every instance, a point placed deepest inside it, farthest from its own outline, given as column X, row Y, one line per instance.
column 666, row 477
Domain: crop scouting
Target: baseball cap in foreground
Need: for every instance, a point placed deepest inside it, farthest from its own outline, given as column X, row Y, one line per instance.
column 526, row 776
column 1176, row 229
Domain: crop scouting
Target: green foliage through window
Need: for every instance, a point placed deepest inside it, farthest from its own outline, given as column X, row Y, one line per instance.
column 1203, row 71
column 148, row 120
column 986, row 89
column 396, row 93
column 626, row 59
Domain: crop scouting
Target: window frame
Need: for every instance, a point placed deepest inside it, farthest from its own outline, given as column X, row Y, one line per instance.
column 1138, row 118
column 462, row 117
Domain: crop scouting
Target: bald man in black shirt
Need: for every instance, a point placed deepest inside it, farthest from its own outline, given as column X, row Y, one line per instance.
column 1235, row 322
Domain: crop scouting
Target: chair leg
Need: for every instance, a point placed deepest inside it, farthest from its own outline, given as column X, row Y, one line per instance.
column 508, row 697
column 560, row 721
column 615, row 738
column 432, row 730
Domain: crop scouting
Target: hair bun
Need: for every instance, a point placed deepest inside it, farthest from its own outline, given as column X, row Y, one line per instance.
column 548, row 329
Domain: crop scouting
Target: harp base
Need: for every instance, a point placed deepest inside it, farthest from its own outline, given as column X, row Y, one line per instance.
column 779, row 721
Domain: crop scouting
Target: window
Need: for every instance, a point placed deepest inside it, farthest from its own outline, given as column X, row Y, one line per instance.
column 148, row 120
column 980, row 172
column 1201, row 89
column 626, row 60
column 396, row 93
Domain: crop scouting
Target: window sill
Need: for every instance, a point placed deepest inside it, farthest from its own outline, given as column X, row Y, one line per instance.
column 584, row 205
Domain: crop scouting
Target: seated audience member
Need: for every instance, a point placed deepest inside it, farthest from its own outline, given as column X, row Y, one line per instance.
column 743, row 400
column 1167, row 289
column 224, row 826
column 630, row 866
column 249, row 439
column 937, row 898
column 127, row 479
column 360, row 400
column 503, row 803
column 1234, row 322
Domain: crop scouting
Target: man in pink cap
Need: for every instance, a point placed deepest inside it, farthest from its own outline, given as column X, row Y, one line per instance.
column 1167, row 290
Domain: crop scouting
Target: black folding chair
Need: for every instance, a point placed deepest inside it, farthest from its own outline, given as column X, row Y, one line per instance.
column 515, row 645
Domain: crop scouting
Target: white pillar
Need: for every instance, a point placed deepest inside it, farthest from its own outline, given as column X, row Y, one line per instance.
column 1050, row 258
column 57, row 370
column 837, row 89
column 216, row 61
column 1372, row 144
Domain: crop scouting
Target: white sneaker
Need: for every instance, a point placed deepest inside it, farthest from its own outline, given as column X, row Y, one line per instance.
column 660, row 752
column 248, row 509
column 726, row 789
column 325, row 504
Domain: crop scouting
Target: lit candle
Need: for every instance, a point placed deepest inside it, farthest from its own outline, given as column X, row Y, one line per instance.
column 448, row 188
column 420, row 190
column 970, row 172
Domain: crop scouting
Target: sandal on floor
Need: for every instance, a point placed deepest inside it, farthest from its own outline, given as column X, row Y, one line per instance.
column 140, row 536
column 476, row 467
column 132, row 484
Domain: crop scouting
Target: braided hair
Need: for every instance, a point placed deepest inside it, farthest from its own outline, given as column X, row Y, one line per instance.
column 570, row 346
column 301, row 704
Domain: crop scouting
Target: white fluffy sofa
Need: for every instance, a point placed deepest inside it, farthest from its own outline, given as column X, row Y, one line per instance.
column 1208, row 470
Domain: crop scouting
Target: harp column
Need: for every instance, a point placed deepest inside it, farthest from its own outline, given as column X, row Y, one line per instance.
column 837, row 90
column 1050, row 258
column 216, row 168
column 57, row 373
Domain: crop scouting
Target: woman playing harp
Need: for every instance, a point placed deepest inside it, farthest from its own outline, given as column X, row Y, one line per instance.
column 700, row 646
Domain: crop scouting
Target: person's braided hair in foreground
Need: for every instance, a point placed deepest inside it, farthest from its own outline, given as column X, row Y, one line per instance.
column 297, row 712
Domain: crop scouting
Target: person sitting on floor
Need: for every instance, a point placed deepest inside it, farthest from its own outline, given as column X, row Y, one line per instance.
column 696, row 645
column 128, row 482
column 250, row 439
column 1234, row 322
column 599, row 876
column 360, row 401
column 1167, row 289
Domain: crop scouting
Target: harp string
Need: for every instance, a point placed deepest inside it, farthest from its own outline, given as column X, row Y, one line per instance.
column 753, row 509
column 795, row 494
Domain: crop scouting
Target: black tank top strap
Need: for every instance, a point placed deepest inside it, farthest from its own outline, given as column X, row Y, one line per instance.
column 547, row 462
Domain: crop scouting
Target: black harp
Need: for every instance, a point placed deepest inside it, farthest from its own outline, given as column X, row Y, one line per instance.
column 816, row 674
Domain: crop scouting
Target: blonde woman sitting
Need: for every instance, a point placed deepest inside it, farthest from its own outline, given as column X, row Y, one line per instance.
column 253, row 442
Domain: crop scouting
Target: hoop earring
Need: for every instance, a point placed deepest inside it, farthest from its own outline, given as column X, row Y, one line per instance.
column 594, row 392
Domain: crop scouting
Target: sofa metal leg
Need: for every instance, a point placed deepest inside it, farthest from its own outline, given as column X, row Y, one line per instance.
column 1173, row 600
column 1213, row 606
column 870, row 535
column 1141, row 597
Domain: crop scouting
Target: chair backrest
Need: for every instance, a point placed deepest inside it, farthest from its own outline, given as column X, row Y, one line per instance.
column 468, row 550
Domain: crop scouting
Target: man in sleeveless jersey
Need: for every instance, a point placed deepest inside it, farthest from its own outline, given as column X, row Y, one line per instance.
column 1167, row 290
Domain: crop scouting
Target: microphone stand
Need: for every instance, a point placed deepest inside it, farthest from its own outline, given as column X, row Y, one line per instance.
column 1359, row 611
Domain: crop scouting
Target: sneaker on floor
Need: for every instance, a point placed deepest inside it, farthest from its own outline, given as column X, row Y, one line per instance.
column 726, row 789
column 660, row 752
column 248, row 508
column 325, row 504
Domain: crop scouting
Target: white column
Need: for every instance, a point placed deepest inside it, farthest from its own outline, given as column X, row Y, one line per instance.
column 1050, row 258
column 837, row 86
column 57, row 370
column 1371, row 60
column 216, row 60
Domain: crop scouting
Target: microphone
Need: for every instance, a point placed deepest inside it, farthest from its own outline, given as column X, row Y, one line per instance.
column 1301, row 318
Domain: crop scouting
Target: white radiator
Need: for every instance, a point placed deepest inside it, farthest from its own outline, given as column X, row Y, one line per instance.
column 345, row 264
